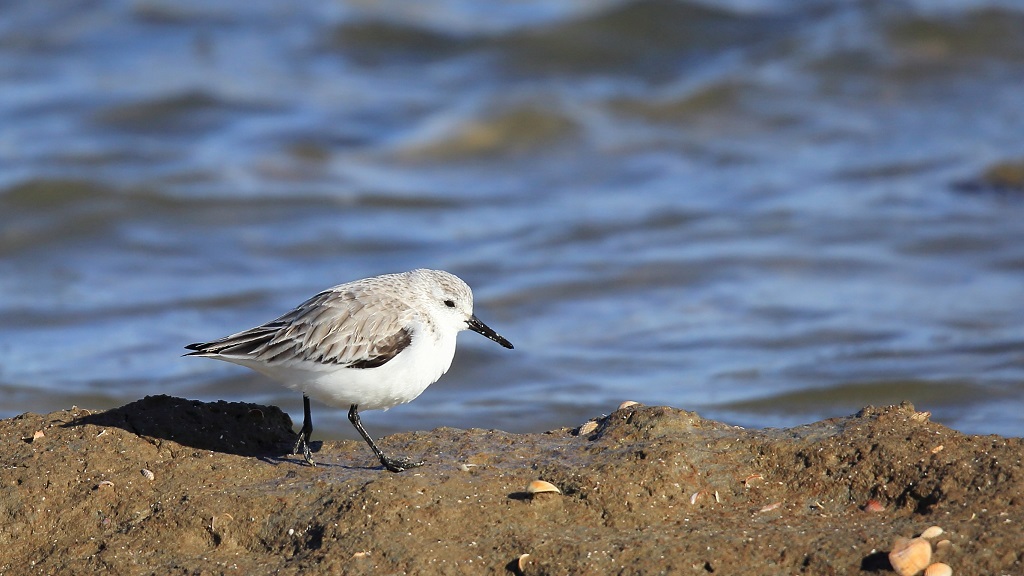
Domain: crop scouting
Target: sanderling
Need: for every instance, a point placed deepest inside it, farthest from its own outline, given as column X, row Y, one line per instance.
column 369, row 344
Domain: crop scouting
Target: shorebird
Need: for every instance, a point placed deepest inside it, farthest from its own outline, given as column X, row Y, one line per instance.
column 366, row 345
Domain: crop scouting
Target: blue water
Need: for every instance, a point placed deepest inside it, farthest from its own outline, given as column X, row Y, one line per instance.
column 749, row 209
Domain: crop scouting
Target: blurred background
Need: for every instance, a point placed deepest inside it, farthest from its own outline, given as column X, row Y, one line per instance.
column 767, row 211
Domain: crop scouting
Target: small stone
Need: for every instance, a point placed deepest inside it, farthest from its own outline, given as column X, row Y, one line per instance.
column 920, row 416
column 38, row 434
column 931, row 532
column 910, row 556
column 939, row 569
column 586, row 428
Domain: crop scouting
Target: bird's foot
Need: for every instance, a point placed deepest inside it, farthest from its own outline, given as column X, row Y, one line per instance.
column 399, row 464
column 303, row 445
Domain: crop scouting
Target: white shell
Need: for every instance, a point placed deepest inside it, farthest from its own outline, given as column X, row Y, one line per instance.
column 542, row 487
column 931, row 532
column 908, row 557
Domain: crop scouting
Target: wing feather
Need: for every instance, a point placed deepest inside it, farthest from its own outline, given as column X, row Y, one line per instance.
column 345, row 328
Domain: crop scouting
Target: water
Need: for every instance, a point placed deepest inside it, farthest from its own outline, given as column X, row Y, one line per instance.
column 748, row 210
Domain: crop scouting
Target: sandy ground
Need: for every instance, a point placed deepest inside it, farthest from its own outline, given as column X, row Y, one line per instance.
column 172, row 486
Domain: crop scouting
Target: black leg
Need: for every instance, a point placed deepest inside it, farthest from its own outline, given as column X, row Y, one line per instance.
column 307, row 429
column 392, row 464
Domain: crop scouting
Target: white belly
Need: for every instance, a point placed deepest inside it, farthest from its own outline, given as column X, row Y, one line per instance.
column 398, row 381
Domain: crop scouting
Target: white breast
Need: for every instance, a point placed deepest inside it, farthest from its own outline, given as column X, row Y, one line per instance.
column 400, row 380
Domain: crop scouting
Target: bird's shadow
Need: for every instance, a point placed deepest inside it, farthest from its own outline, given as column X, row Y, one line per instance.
column 229, row 427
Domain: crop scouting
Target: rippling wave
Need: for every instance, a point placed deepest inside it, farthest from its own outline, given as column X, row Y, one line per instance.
column 752, row 209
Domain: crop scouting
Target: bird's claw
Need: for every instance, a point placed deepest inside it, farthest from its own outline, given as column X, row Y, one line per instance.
column 303, row 445
column 399, row 464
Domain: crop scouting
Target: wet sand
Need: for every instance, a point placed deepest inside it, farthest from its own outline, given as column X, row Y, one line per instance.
column 649, row 490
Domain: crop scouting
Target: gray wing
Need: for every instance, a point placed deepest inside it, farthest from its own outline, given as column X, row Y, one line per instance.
column 343, row 328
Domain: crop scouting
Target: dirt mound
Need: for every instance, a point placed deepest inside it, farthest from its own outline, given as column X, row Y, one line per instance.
column 167, row 485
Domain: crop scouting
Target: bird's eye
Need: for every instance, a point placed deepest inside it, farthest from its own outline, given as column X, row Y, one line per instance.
column 449, row 303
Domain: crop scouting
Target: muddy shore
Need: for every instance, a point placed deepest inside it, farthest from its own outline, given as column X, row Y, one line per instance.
column 172, row 486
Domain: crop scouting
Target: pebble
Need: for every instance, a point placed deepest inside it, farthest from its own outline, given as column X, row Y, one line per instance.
column 920, row 416
column 586, row 428
column 931, row 532
column 910, row 556
column 939, row 569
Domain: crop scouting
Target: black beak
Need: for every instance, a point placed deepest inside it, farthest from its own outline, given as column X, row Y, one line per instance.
column 479, row 327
